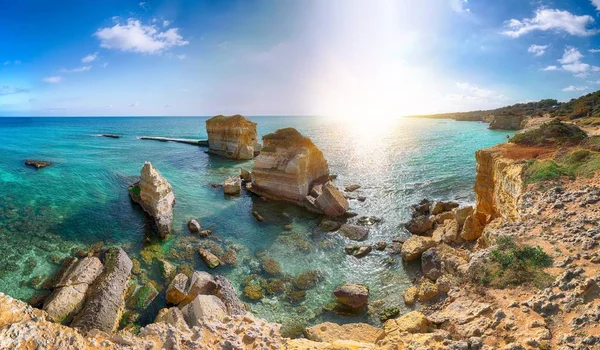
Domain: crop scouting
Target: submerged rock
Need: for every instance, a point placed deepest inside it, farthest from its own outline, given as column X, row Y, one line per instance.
column 156, row 197
column 38, row 164
column 232, row 137
column 354, row 232
column 358, row 251
column 211, row 260
column 194, row 226
column 291, row 168
column 352, row 295
column 105, row 300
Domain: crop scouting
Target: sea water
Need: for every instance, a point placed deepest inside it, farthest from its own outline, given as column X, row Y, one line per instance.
column 82, row 199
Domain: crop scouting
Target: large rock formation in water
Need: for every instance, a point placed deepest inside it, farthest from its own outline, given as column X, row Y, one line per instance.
column 232, row 137
column 506, row 122
column 156, row 197
column 290, row 167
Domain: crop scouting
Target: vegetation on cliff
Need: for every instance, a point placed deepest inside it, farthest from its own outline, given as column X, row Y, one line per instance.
column 287, row 137
column 578, row 162
column 554, row 132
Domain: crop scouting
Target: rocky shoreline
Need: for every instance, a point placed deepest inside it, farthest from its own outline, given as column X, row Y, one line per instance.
column 519, row 270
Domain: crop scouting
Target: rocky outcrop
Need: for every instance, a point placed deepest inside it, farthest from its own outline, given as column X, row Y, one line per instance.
column 71, row 288
column 499, row 183
column 291, row 168
column 105, row 300
column 506, row 122
column 232, row 186
column 352, row 295
column 156, row 197
column 232, row 137
column 38, row 164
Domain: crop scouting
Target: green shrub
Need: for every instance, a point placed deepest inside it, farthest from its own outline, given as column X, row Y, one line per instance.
column 592, row 143
column 510, row 264
column 553, row 132
column 543, row 170
column 135, row 190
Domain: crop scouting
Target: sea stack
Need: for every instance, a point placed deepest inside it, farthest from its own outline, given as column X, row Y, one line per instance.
column 232, row 137
column 156, row 197
column 291, row 168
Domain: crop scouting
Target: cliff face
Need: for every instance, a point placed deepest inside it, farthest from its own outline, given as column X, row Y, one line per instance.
column 232, row 137
column 499, row 183
column 156, row 197
column 506, row 122
column 290, row 167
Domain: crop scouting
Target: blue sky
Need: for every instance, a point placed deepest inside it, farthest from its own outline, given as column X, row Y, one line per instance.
column 293, row 57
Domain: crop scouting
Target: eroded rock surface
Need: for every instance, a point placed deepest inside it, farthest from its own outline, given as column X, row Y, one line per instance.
column 232, row 137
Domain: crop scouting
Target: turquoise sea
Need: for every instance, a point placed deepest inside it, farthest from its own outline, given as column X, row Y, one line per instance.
column 82, row 199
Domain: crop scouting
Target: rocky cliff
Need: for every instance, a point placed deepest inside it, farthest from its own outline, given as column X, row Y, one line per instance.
column 232, row 137
column 499, row 182
column 156, row 197
column 290, row 167
column 506, row 122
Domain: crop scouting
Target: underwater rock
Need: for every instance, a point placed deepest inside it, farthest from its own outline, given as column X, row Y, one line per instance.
column 70, row 290
column 354, row 232
column 257, row 216
column 232, row 137
column 105, row 300
column 211, row 260
column 38, row 164
column 253, row 291
column 270, row 266
column 232, row 186
column 289, row 167
column 229, row 257
column 358, row 251
column 143, row 296
column 352, row 295
column 330, row 225
column 156, row 197
column 227, row 293
column 308, row 279
column 112, row 136
column 167, row 270
column 194, row 226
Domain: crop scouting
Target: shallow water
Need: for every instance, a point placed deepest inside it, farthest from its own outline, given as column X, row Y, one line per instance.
column 82, row 199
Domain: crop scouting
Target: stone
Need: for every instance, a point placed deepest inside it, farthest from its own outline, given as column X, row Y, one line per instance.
column 194, row 226
column 201, row 283
column 142, row 297
column 227, row 293
column 68, row 297
column 380, row 246
column 155, row 195
column 427, row 291
column 167, row 270
column 352, row 295
column 38, row 164
column 105, row 299
column 245, row 175
column 351, row 188
column 211, row 260
column 358, row 251
column 442, row 217
column 412, row 322
column 232, row 186
column 289, row 167
column 431, row 264
column 232, row 137
column 415, row 246
column 473, row 227
column 229, row 258
column 461, row 214
column 448, row 232
column 174, row 317
column 257, row 216
column 419, row 225
column 410, row 295
column 176, row 291
column 329, row 332
column 354, row 232
column 204, row 308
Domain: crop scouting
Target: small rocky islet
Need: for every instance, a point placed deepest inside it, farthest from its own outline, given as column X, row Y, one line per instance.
column 541, row 243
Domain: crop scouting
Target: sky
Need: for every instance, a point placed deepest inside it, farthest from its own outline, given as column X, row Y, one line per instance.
column 340, row 58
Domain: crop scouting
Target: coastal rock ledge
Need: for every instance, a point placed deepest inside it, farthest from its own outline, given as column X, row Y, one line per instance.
column 156, row 197
column 291, row 168
column 232, row 137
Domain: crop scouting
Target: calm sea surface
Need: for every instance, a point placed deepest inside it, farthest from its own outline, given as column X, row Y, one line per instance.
column 82, row 199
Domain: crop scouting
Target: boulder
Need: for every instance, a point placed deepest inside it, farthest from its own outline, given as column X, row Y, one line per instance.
column 228, row 295
column 232, row 137
column 155, row 195
column 70, row 290
column 354, row 232
column 105, row 299
column 142, row 297
column 461, row 214
column 410, row 295
column 211, row 260
column 194, row 226
column 176, row 291
column 167, row 270
column 232, row 186
column 415, row 246
column 419, row 225
column 427, row 291
column 245, row 175
column 447, row 233
column 291, row 168
column 473, row 227
column 412, row 322
column 351, row 188
column 174, row 317
column 358, row 251
column 352, row 295
column 201, row 283
column 329, row 332
column 202, row 309
column 330, row 225
column 442, row 217
column 431, row 264
column 38, row 164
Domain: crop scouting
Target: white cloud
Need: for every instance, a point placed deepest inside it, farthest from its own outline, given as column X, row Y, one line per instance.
column 52, row 80
column 574, row 88
column 105, row 64
column 571, row 55
column 459, row 6
column 594, row 50
column 596, row 3
column 135, row 37
column 473, row 92
column 182, row 57
column 166, row 23
column 550, row 20
column 90, row 58
column 143, row 5
column 537, row 50
column 594, row 82
column 550, row 68
column 76, row 70
column 571, row 62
